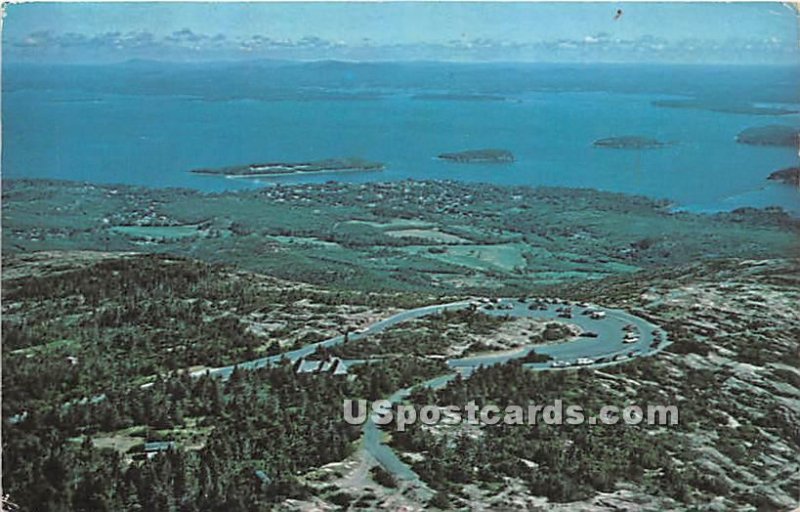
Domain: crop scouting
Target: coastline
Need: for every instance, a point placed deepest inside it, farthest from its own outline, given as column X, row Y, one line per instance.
column 769, row 195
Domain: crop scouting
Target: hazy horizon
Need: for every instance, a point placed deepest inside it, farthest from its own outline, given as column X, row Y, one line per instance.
column 656, row 33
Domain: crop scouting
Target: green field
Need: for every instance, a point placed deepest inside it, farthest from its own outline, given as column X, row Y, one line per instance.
column 501, row 257
column 166, row 232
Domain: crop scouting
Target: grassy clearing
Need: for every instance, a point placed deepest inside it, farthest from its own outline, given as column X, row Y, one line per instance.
column 168, row 232
column 428, row 234
column 504, row 257
column 393, row 224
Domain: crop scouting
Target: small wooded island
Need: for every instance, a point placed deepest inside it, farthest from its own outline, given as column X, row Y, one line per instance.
column 769, row 135
column 288, row 168
column 628, row 142
column 788, row 176
column 479, row 156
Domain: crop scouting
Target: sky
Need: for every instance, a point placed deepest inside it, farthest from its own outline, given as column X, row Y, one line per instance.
column 735, row 33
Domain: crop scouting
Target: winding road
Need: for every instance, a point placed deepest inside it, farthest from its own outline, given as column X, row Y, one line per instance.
column 607, row 348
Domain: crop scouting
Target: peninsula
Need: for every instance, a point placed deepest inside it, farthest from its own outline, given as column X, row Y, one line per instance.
column 482, row 156
column 289, row 168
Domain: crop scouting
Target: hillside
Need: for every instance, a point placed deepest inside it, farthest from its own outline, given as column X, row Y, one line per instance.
column 84, row 330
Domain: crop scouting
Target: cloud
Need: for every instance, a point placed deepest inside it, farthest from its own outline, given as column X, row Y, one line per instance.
column 48, row 40
column 40, row 39
column 186, row 38
column 186, row 43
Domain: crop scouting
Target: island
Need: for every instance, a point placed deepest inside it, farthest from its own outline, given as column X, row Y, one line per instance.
column 458, row 97
column 479, row 156
column 289, row 168
column 628, row 142
column 769, row 135
column 726, row 108
column 788, row 176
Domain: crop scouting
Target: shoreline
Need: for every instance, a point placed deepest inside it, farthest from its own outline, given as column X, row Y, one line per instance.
column 670, row 206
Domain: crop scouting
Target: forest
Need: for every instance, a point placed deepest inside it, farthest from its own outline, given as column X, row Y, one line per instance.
column 238, row 444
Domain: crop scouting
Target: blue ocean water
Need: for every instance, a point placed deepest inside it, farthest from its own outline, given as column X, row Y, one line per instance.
column 99, row 135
